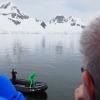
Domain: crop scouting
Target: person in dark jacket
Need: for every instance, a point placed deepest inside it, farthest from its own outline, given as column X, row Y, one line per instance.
column 13, row 73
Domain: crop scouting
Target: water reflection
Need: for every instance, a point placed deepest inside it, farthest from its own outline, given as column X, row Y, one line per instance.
column 37, row 96
column 43, row 42
column 17, row 50
column 59, row 48
column 40, row 53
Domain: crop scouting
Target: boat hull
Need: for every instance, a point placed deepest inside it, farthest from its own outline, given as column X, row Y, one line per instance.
column 23, row 86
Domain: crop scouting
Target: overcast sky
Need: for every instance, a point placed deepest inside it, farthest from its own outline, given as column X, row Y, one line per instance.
column 46, row 9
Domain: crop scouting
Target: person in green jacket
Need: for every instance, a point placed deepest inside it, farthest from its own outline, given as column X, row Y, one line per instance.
column 32, row 79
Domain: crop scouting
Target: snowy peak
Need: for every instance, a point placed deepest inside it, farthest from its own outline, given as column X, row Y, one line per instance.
column 58, row 19
column 12, row 13
column 42, row 23
column 73, row 21
column 16, row 13
column 64, row 24
column 13, row 19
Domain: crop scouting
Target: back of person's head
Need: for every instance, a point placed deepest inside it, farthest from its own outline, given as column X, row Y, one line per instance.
column 90, row 48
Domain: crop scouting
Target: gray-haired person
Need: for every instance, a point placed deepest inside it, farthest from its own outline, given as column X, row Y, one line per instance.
column 90, row 48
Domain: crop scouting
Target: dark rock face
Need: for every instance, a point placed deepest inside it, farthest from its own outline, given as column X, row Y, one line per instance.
column 58, row 19
column 14, row 14
column 16, row 22
column 19, row 16
column 73, row 24
column 78, row 24
column 4, row 6
column 83, row 26
column 43, row 24
column 71, row 20
column 37, row 20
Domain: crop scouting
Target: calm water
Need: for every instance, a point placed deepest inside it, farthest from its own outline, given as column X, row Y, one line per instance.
column 55, row 58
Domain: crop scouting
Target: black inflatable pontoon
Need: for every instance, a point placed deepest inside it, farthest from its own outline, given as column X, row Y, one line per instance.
column 23, row 86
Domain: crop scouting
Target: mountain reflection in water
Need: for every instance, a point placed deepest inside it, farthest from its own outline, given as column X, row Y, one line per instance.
column 37, row 96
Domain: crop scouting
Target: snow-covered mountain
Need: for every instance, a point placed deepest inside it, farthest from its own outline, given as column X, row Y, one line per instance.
column 13, row 13
column 71, row 20
column 13, row 19
column 65, row 24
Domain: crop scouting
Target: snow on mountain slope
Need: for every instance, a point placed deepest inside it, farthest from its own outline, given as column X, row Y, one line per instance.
column 12, row 13
column 13, row 20
column 63, row 24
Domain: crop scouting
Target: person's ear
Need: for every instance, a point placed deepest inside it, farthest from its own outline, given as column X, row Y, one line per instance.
column 88, row 84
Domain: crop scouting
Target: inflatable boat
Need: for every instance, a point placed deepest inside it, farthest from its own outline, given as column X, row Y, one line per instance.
column 22, row 85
